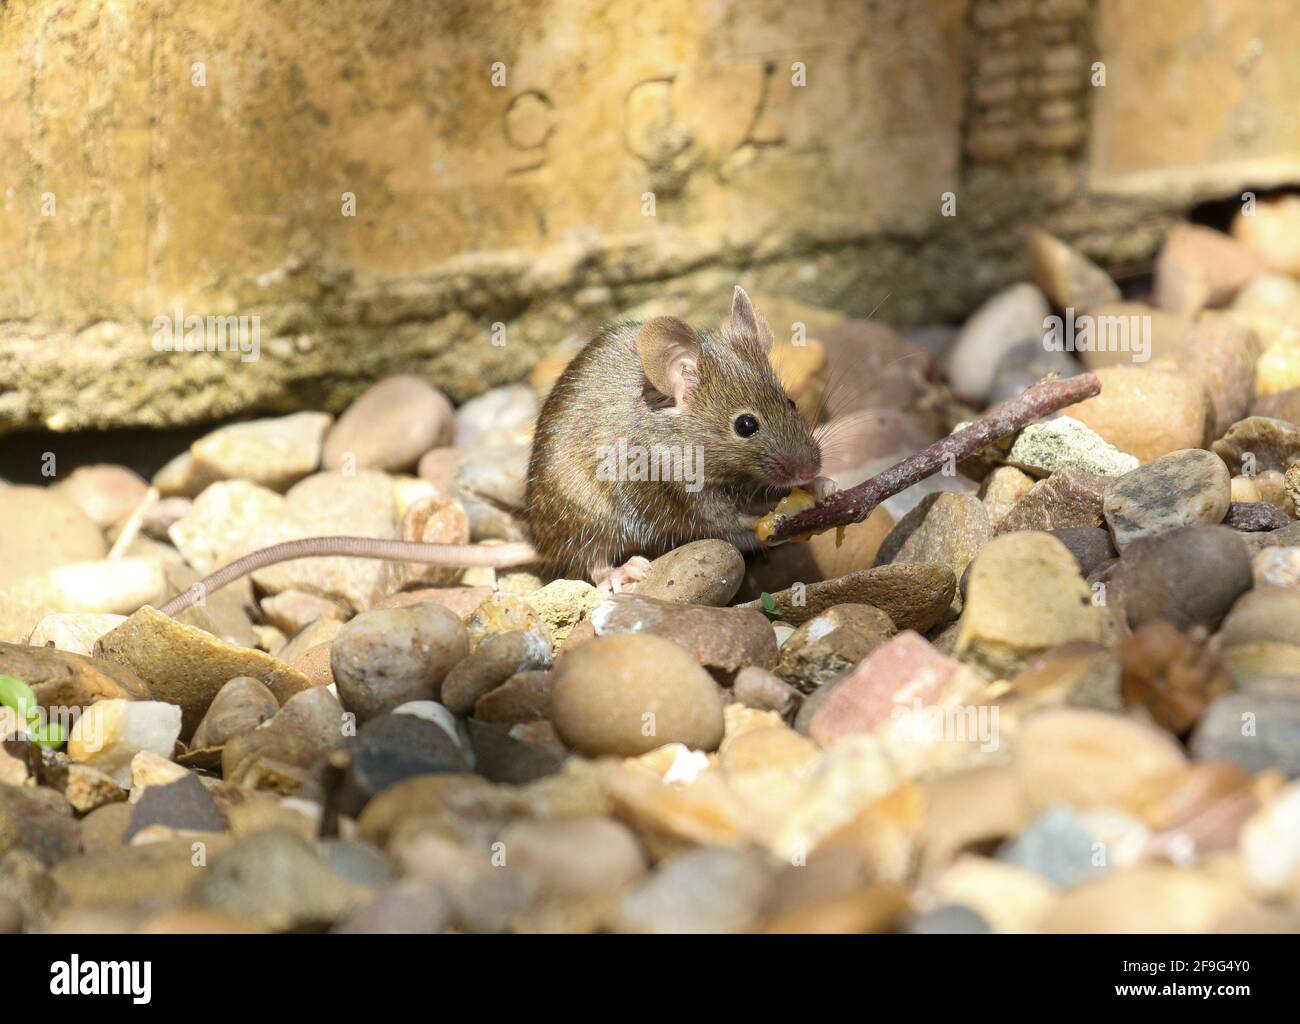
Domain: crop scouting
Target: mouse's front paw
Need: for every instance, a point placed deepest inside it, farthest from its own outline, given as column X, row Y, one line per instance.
column 631, row 571
column 823, row 487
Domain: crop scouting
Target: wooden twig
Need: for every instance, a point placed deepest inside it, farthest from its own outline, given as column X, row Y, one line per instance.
column 856, row 503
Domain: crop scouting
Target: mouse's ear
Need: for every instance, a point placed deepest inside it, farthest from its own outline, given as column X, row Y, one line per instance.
column 746, row 320
column 670, row 354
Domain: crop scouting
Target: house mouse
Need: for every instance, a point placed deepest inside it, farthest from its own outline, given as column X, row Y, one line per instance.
column 656, row 434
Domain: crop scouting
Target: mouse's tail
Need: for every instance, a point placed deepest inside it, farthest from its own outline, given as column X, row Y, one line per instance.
column 450, row 555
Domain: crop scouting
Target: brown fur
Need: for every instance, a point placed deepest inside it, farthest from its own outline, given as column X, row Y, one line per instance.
column 581, row 522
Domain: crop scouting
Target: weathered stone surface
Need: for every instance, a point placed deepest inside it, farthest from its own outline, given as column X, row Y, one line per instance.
column 41, row 529
column 569, row 147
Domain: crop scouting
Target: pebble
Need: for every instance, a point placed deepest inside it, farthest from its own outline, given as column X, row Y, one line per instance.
column 705, row 572
column 42, row 529
column 1262, row 615
column 887, row 685
column 274, row 453
column 323, row 505
column 495, row 473
column 1145, row 899
column 404, row 909
column 765, row 691
column 500, row 757
column 1270, row 845
column 574, row 859
column 1067, row 277
column 1164, row 336
column 164, row 513
column 105, row 492
column 1001, row 489
column 949, row 919
column 241, row 705
column 1024, row 595
column 1282, row 405
column 220, row 613
column 1146, row 411
column 829, row 645
column 1090, row 546
column 1010, row 898
column 88, row 788
column 1064, row 443
column 109, row 587
column 493, row 661
column 1271, row 233
column 61, row 679
column 277, row 880
column 524, row 697
column 429, row 520
column 462, row 601
column 1057, row 845
column 1013, row 315
column 438, row 467
column 913, row 596
column 1092, row 759
column 699, row 892
column 72, row 631
column 1171, row 676
column 627, row 694
column 1065, row 500
column 723, row 640
column 1199, row 267
column 1253, row 730
column 1190, row 576
column 384, row 658
column 292, row 610
column 109, row 733
column 494, row 413
column 1179, row 489
column 1278, row 367
column 946, row 529
column 1076, row 674
column 220, row 523
column 184, row 805
column 1257, row 444
column 187, row 667
column 1222, row 354
column 146, row 874
column 504, row 613
column 1277, row 567
column 562, row 604
column 389, row 426
column 277, row 753
column 1255, row 517
column 391, row 748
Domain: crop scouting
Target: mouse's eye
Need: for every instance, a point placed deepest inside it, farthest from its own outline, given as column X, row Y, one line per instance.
column 792, row 405
column 746, row 424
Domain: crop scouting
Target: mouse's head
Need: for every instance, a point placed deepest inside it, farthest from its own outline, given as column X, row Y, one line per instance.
column 721, row 383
